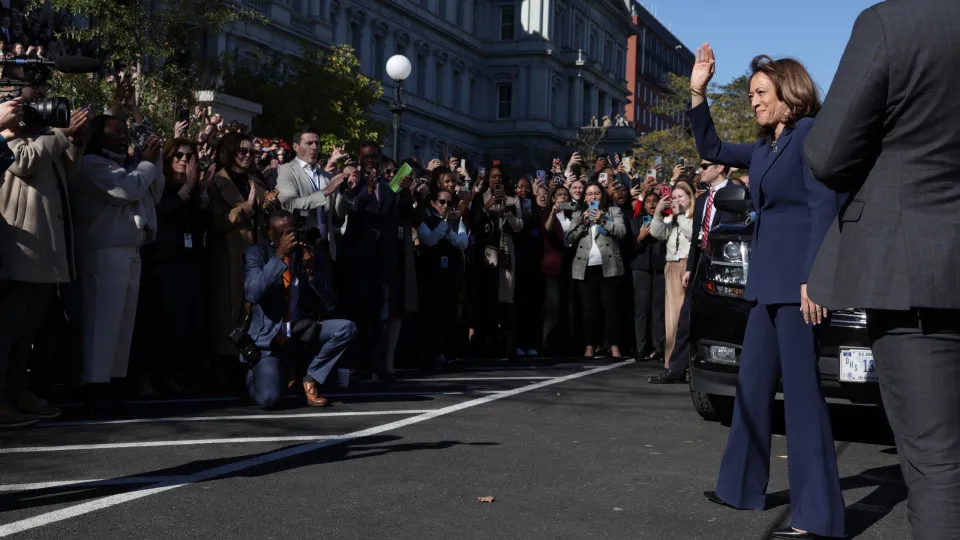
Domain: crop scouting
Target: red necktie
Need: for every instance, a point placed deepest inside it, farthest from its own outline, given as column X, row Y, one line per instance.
column 707, row 214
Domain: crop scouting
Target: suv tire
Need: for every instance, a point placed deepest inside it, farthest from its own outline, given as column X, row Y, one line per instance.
column 713, row 408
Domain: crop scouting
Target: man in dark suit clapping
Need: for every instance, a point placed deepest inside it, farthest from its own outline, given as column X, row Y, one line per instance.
column 888, row 135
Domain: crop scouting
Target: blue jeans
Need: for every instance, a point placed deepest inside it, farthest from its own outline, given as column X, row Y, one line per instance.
column 267, row 380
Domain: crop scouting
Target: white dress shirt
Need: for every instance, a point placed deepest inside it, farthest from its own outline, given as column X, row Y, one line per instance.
column 595, row 258
column 319, row 180
column 713, row 209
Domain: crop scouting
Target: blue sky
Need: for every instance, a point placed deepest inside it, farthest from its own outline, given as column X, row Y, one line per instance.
column 813, row 31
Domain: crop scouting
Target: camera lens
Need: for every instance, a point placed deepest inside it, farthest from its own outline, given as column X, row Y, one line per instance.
column 52, row 112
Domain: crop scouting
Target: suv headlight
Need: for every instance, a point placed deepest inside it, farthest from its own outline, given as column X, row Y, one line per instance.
column 727, row 267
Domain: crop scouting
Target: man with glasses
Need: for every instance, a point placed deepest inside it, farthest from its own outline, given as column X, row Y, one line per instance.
column 368, row 254
column 706, row 217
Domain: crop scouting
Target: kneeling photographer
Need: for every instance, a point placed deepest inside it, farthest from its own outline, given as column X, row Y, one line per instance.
column 286, row 326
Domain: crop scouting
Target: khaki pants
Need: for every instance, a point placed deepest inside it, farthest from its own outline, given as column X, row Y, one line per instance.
column 110, row 286
column 674, row 293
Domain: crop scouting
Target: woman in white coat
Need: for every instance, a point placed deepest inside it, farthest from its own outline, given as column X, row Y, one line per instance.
column 114, row 214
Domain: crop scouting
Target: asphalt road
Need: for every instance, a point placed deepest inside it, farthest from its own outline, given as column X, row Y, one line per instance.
column 567, row 450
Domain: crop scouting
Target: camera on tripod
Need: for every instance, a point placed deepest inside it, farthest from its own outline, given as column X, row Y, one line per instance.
column 307, row 236
column 36, row 73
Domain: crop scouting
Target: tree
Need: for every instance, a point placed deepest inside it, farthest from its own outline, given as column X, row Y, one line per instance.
column 587, row 141
column 729, row 106
column 160, row 38
column 732, row 114
column 324, row 90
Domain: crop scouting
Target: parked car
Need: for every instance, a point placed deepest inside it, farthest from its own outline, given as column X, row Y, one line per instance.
column 719, row 318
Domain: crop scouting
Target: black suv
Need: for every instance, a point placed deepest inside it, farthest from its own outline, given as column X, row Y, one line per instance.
column 719, row 318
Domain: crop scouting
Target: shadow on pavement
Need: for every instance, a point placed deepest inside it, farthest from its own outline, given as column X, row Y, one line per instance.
column 367, row 447
column 863, row 514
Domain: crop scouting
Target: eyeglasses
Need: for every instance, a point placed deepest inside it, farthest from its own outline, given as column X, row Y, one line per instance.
column 244, row 152
column 389, row 172
column 705, row 166
column 444, row 202
column 182, row 155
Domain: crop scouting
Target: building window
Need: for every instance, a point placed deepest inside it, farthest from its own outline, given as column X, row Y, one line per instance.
column 508, row 17
column 504, row 101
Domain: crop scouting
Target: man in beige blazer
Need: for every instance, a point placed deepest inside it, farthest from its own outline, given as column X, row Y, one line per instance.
column 303, row 186
column 36, row 251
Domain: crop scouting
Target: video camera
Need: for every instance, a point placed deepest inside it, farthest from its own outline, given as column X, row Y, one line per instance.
column 35, row 73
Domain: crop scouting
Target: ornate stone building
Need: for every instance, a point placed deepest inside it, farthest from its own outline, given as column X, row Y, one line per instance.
column 494, row 79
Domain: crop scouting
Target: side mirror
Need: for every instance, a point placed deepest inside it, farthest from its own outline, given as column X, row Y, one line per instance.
column 734, row 199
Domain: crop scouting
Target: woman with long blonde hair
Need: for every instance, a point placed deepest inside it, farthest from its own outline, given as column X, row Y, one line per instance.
column 673, row 224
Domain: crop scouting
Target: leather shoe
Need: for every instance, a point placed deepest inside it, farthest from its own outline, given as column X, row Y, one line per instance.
column 667, row 378
column 790, row 532
column 715, row 499
column 314, row 399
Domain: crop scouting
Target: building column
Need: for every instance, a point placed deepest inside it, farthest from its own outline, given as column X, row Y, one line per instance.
column 467, row 7
column 576, row 94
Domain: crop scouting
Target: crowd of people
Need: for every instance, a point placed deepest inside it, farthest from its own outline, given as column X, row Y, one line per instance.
column 449, row 262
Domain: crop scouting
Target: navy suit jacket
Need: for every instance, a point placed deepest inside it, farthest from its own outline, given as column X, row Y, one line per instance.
column 718, row 217
column 263, row 288
column 794, row 210
column 369, row 245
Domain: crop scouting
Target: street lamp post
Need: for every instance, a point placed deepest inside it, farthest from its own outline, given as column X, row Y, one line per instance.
column 398, row 69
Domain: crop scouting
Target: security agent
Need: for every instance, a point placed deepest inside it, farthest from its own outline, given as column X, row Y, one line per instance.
column 286, row 323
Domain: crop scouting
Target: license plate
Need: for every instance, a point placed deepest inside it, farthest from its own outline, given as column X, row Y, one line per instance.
column 856, row 365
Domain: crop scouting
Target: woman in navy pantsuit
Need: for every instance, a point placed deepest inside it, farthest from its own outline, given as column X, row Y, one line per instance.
column 793, row 214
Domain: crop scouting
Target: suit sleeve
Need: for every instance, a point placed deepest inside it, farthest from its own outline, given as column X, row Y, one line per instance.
column 846, row 138
column 289, row 195
column 29, row 157
column 709, row 145
column 112, row 184
column 619, row 227
column 259, row 275
column 694, row 255
column 824, row 205
column 579, row 230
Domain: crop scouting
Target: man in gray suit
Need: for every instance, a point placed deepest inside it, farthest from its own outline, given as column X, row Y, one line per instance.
column 303, row 186
column 889, row 134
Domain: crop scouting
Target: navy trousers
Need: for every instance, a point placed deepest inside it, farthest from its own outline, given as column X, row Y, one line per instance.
column 778, row 344
column 267, row 381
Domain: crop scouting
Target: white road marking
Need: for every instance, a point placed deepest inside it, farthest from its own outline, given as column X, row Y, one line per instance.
column 389, row 394
column 97, row 482
column 466, row 379
column 120, row 498
column 226, row 399
column 410, row 412
column 151, row 444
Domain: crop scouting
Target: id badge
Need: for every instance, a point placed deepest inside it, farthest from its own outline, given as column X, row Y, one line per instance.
column 444, row 262
column 188, row 240
column 400, row 233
